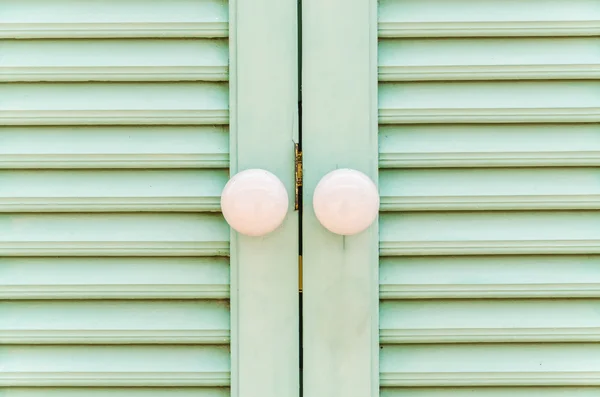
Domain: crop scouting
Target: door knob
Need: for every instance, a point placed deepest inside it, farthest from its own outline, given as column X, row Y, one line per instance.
column 346, row 201
column 254, row 202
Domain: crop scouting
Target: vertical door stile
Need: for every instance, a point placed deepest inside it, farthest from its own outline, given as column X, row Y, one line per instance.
column 263, row 102
column 339, row 130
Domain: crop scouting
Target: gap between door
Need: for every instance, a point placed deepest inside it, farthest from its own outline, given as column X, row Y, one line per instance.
column 300, row 191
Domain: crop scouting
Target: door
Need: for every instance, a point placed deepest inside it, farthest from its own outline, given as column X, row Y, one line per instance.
column 479, row 122
column 120, row 123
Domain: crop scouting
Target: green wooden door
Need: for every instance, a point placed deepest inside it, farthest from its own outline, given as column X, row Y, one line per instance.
column 479, row 121
column 122, row 120
column 120, row 123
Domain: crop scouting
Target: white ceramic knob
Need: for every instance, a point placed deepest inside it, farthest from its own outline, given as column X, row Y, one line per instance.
column 346, row 201
column 254, row 202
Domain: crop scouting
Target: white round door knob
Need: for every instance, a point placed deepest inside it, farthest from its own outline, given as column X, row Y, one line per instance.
column 346, row 201
column 254, row 202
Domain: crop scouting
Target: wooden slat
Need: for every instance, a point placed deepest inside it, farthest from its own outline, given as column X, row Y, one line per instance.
column 490, row 189
column 489, row 102
column 113, row 103
column 468, row 18
column 487, row 392
column 568, row 364
column 500, row 145
column 114, row 278
column 113, row 60
column 476, row 277
column 472, row 233
column 114, row 322
column 476, row 321
column 111, row 191
column 116, row 392
column 113, row 19
column 121, row 147
column 113, row 235
column 141, row 365
column 489, row 59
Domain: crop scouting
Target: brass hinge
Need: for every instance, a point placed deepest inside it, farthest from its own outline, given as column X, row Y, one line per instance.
column 298, row 174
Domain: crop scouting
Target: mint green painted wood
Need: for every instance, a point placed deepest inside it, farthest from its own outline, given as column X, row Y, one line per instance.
column 340, row 316
column 469, row 18
column 480, row 277
column 113, row 19
column 488, row 145
column 470, row 102
column 111, row 234
column 489, row 59
column 114, row 365
column 264, row 126
column 115, row 190
column 497, row 321
column 114, row 60
column 490, row 233
column 492, row 392
column 115, row 147
column 97, row 322
column 108, row 392
column 114, row 278
column 118, row 274
column 489, row 189
column 513, row 364
column 488, row 225
column 113, row 104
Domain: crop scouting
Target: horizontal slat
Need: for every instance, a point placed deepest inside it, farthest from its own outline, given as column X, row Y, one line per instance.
column 114, row 147
column 489, row 189
column 489, row 102
column 113, row 103
column 113, row 18
column 113, row 60
column 114, row 278
column 114, row 235
column 114, row 366
column 508, row 321
column 114, row 322
column 471, row 277
column 116, row 392
column 484, row 392
column 114, row 337
column 489, row 59
column 468, row 18
column 490, row 365
column 106, row 191
column 473, row 233
column 502, row 145
column 489, row 29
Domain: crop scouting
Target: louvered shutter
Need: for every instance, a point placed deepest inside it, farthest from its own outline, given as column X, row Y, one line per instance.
column 488, row 230
column 118, row 274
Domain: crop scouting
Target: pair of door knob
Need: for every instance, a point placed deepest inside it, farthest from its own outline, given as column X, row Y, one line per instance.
column 255, row 202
